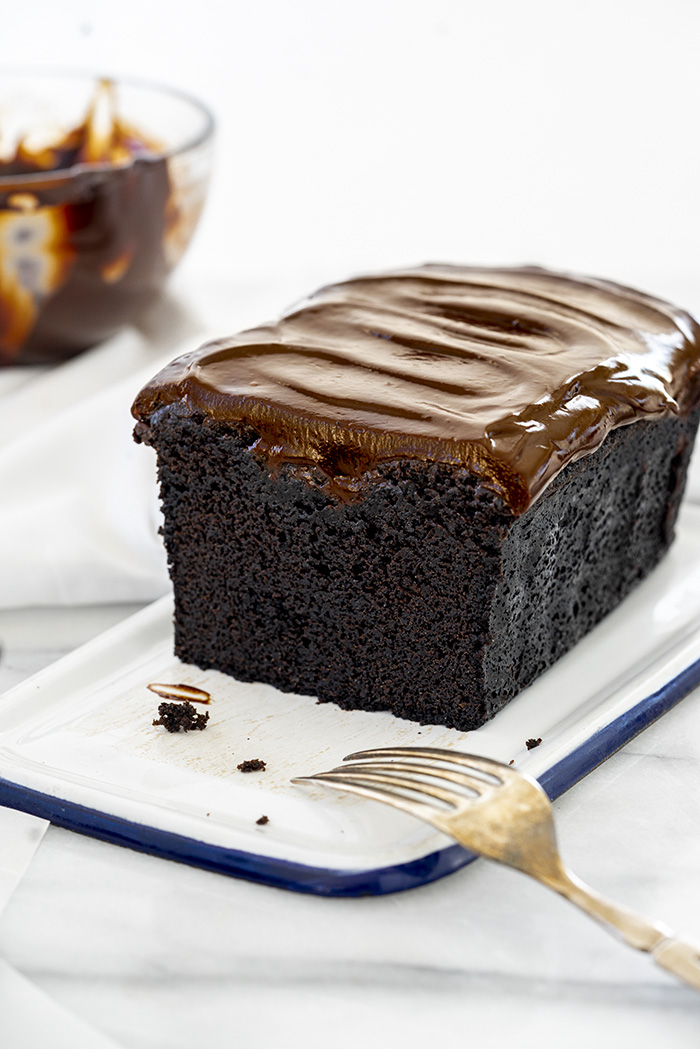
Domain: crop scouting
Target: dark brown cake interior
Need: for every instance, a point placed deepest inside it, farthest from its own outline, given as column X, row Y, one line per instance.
column 428, row 597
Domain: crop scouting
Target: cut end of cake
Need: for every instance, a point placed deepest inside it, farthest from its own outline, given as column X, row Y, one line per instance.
column 417, row 491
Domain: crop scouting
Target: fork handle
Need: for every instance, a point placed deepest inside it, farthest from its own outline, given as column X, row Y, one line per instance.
column 680, row 958
column 669, row 951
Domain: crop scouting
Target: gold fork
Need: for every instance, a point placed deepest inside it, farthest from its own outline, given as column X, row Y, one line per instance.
column 505, row 815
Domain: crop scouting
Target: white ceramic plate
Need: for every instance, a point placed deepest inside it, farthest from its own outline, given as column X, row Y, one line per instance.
column 77, row 745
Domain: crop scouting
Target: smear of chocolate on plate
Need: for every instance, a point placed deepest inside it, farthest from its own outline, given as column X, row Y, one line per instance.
column 185, row 692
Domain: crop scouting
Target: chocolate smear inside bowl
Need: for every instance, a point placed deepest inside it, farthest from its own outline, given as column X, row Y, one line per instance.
column 96, row 207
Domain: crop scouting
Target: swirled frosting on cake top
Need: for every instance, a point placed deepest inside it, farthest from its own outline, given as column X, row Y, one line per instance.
column 511, row 373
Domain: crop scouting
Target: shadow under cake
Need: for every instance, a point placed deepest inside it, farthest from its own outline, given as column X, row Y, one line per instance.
column 417, row 491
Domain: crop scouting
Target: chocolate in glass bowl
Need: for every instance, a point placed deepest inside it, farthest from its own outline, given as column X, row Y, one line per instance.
column 101, row 187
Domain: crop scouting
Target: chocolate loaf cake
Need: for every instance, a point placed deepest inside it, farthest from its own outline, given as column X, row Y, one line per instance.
column 416, row 491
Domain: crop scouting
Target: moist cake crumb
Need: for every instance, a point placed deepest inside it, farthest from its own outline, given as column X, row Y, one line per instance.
column 176, row 716
column 532, row 743
column 254, row 765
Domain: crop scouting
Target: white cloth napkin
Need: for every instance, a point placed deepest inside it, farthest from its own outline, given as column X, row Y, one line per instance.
column 79, row 513
column 31, row 1019
column 28, row 1017
column 20, row 837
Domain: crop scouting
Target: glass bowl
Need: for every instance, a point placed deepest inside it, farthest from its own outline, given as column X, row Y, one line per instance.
column 102, row 183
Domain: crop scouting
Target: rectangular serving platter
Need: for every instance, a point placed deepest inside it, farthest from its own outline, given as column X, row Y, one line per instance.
column 78, row 747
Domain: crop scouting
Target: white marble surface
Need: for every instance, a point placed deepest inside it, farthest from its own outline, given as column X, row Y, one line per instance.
column 155, row 954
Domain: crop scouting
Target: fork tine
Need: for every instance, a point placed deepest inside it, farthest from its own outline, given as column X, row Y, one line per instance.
column 462, row 779
column 372, row 775
column 488, row 765
column 389, row 797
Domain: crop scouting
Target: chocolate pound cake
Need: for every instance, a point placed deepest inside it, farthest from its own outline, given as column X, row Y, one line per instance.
column 416, row 491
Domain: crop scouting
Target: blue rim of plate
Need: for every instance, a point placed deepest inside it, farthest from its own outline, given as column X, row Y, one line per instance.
column 320, row 881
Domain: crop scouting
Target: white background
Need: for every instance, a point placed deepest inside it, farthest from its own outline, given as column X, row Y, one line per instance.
column 351, row 137
column 383, row 132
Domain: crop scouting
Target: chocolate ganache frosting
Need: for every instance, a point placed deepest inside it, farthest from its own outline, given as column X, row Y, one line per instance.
column 511, row 373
